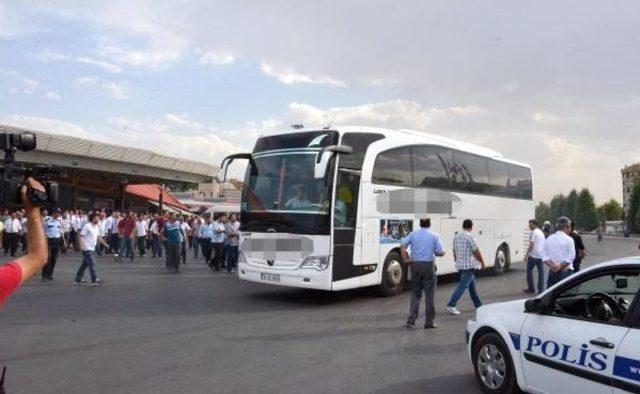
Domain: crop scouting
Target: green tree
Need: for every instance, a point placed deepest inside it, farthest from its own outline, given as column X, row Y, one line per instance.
column 571, row 205
column 543, row 212
column 557, row 207
column 610, row 210
column 634, row 209
column 586, row 215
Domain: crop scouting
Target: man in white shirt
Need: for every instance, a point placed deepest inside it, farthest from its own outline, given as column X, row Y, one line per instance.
column 89, row 237
column 559, row 252
column 141, row 234
column 114, row 236
column 13, row 232
column 232, row 237
column 217, row 242
column 186, row 230
column 534, row 257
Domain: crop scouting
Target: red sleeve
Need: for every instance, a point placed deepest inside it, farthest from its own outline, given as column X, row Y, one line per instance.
column 10, row 278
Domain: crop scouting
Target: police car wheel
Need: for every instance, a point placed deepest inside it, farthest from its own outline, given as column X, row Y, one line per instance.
column 500, row 263
column 493, row 365
column 394, row 275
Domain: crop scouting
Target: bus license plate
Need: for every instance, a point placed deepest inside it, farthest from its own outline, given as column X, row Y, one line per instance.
column 270, row 277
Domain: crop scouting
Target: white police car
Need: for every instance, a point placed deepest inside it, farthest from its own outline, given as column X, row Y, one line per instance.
column 580, row 336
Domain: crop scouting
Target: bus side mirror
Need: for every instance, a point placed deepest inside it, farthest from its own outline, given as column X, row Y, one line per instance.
column 228, row 160
column 324, row 156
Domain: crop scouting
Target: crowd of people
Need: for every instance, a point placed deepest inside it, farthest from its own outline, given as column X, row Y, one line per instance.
column 125, row 235
column 561, row 250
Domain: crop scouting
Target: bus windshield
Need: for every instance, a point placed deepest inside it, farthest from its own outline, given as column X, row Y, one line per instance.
column 285, row 183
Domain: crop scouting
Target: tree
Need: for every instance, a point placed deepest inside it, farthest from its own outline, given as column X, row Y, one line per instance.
column 586, row 216
column 571, row 205
column 543, row 212
column 634, row 209
column 610, row 210
column 557, row 207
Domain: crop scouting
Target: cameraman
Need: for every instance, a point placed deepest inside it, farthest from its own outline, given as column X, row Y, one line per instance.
column 15, row 273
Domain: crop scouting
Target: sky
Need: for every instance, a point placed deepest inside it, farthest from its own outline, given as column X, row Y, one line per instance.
column 553, row 84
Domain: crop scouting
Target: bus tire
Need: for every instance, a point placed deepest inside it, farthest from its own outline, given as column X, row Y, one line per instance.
column 501, row 262
column 394, row 275
column 493, row 365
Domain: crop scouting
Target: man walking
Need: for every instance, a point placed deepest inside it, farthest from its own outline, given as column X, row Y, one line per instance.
column 126, row 227
column 172, row 233
column 466, row 256
column 534, row 256
column 55, row 239
column 232, row 238
column 579, row 246
column 195, row 231
column 88, row 238
column 13, row 233
column 186, row 230
column 425, row 247
column 559, row 252
column 141, row 235
column 206, row 239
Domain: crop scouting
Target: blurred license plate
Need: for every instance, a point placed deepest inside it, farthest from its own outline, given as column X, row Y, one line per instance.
column 270, row 277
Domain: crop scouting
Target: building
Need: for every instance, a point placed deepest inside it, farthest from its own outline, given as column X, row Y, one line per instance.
column 630, row 177
column 93, row 174
column 213, row 197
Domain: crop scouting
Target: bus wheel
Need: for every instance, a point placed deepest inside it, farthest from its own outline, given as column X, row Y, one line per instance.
column 394, row 275
column 501, row 263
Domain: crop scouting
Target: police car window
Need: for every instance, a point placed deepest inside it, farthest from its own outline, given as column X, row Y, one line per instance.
column 605, row 298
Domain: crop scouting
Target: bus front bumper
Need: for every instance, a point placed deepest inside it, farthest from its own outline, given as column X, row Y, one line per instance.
column 306, row 278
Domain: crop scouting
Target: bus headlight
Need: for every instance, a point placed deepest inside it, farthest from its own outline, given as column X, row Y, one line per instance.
column 315, row 262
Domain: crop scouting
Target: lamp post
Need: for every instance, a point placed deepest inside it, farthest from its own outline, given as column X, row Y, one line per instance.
column 161, row 198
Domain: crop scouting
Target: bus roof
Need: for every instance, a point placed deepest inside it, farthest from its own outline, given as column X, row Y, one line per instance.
column 410, row 137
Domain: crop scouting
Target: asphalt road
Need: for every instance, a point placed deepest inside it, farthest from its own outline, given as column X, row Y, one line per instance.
column 148, row 331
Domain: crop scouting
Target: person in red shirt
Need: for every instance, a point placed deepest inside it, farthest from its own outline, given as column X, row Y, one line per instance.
column 125, row 228
column 15, row 273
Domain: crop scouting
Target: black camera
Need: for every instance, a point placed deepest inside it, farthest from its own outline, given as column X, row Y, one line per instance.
column 13, row 176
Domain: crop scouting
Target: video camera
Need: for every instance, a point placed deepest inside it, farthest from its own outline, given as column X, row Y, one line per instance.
column 13, row 176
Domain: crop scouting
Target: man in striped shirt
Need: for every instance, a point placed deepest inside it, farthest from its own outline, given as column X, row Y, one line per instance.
column 468, row 258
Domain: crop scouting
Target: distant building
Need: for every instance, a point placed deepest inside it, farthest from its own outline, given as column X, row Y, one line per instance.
column 212, row 197
column 615, row 227
column 630, row 176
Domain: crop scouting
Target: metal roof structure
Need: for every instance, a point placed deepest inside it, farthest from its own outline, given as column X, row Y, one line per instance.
column 72, row 152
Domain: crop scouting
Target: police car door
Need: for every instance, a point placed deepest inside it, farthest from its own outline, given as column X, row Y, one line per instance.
column 570, row 349
column 626, row 365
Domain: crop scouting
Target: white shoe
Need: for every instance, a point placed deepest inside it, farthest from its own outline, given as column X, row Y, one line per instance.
column 453, row 310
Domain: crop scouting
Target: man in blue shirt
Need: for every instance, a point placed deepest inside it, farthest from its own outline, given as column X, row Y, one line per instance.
column 425, row 247
column 55, row 238
column 173, row 234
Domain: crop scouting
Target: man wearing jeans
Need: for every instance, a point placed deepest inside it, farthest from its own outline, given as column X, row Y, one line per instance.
column 425, row 247
column 89, row 238
column 467, row 256
column 533, row 257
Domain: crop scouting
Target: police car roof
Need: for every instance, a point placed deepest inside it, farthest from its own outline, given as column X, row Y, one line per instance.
column 410, row 137
column 621, row 262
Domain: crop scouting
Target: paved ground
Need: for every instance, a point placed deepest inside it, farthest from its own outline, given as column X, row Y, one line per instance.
column 147, row 331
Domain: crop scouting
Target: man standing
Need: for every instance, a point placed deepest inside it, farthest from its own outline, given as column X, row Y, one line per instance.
column 55, row 239
column 467, row 256
column 88, row 238
column 217, row 242
column 425, row 247
column 534, row 256
column 172, row 233
column 579, row 245
column 141, row 235
column 24, row 237
column 232, row 237
column 559, row 252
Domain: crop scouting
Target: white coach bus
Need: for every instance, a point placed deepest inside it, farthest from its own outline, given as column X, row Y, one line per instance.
column 326, row 209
